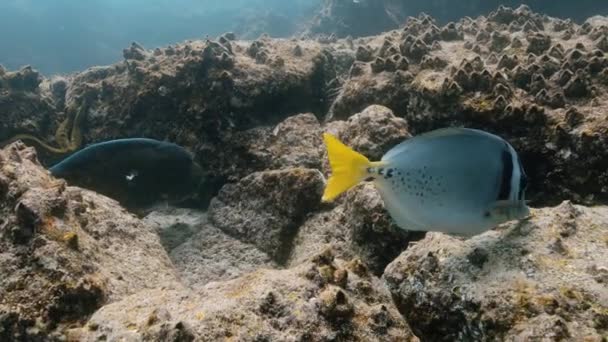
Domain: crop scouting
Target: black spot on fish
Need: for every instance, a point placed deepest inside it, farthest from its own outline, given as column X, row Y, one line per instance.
column 389, row 173
column 381, row 171
column 523, row 181
column 507, row 173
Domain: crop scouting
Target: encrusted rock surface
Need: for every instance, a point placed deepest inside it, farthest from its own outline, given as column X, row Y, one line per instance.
column 524, row 90
column 358, row 227
column 246, row 263
column 320, row 300
column 200, row 252
column 223, row 99
column 544, row 278
column 266, row 208
column 65, row 252
column 26, row 104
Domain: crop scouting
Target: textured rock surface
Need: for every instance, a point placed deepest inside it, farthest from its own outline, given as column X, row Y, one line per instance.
column 321, row 300
column 65, row 252
column 254, row 114
column 200, row 252
column 545, row 278
column 197, row 94
column 175, row 226
column 542, row 91
column 25, row 103
column 535, row 80
column 266, row 208
column 372, row 132
column 358, row 227
column 371, row 17
column 212, row 255
column 294, row 142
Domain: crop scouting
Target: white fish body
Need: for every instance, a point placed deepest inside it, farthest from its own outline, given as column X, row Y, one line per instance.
column 450, row 180
column 455, row 180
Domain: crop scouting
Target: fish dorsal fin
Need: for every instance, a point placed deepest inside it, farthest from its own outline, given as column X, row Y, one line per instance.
column 438, row 133
column 451, row 131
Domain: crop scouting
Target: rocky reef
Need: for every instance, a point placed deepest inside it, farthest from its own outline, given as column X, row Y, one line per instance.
column 260, row 258
column 544, row 278
column 370, row 17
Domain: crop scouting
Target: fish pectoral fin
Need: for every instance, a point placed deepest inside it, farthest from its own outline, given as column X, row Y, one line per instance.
column 503, row 208
column 506, row 204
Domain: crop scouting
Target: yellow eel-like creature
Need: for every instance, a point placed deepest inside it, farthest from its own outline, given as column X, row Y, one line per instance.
column 68, row 136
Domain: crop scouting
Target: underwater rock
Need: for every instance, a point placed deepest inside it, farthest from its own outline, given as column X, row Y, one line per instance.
column 24, row 106
column 294, row 142
column 135, row 51
column 200, row 252
column 65, row 251
column 320, row 300
column 25, row 80
column 265, row 208
column 509, row 283
column 376, row 239
column 499, row 41
column 193, row 94
column 538, row 43
column 430, row 96
column 358, row 227
column 373, row 132
column 450, row 32
column 237, row 105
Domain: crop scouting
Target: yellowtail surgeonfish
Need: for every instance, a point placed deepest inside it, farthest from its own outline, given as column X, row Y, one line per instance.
column 455, row 180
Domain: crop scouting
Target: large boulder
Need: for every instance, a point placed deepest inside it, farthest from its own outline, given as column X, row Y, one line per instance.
column 320, row 300
column 546, row 277
column 65, row 252
column 266, row 208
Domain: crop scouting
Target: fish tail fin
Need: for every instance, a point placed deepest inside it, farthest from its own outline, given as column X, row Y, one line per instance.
column 348, row 167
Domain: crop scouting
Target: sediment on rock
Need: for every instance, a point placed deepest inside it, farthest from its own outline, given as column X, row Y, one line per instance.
column 65, row 252
column 527, row 280
column 321, row 299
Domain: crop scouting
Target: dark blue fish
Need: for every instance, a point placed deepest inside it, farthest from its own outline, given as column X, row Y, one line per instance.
column 137, row 172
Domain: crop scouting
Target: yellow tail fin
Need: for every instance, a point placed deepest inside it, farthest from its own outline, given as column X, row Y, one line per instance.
column 348, row 167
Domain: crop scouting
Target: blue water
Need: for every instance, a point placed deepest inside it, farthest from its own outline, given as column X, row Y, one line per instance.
column 61, row 36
